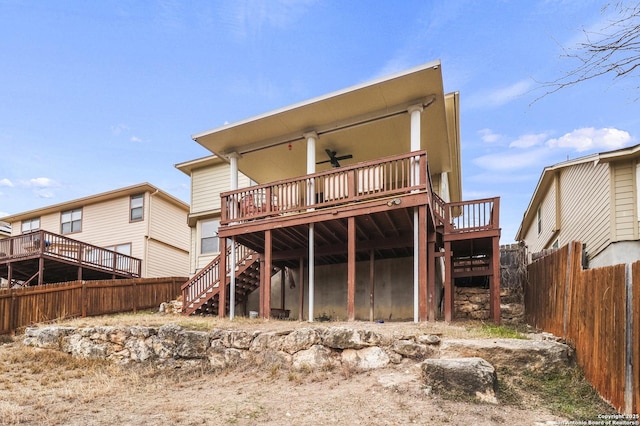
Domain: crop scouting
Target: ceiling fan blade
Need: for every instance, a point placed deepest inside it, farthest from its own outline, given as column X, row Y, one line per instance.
column 344, row 157
column 322, row 162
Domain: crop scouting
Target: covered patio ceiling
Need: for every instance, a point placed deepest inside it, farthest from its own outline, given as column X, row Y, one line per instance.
column 368, row 121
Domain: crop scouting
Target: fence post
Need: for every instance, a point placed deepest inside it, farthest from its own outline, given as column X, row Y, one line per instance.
column 135, row 296
column 628, row 382
column 567, row 282
column 13, row 308
column 83, row 299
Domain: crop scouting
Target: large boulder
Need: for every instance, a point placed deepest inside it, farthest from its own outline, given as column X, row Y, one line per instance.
column 300, row 339
column 461, row 377
column 512, row 354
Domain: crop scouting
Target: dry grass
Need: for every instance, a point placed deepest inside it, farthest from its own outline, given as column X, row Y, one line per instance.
column 42, row 387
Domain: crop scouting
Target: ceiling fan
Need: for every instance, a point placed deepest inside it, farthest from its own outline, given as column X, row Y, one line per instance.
column 333, row 159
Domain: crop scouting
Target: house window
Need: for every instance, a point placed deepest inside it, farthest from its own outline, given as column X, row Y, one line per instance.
column 136, row 207
column 539, row 219
column 71, row 221
column 30, row 225
column 209, row 241
column 555, row 244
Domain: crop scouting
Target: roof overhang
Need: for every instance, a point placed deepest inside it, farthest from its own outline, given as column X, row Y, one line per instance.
column 368, row 121
column 97, row 198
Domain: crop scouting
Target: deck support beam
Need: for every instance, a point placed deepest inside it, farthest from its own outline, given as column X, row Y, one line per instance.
column 372, row 286
column 494, row 304
column 448, row 282
column 351, row 268
column 222, row 279
column 266, row 294
column 232, row 279
column 431, row 276
column 423, row 261
column 301, row 289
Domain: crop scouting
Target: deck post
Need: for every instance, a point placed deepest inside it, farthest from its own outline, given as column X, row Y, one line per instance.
column 351, row 268
column 431, row 275
column 448, row 282
column 494, row 306
column 41, row 269
column 283, row 278
column 311, row 271
column 423, row 260
column 267, row 276
column 301, row 289
column 232, row 279
column 372, row 268
column 222, row 279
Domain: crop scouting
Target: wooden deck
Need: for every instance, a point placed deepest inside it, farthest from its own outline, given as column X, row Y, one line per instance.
column 44, row 257
column 364, row 212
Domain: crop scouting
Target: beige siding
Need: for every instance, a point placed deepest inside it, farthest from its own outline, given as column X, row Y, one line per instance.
column 168, row 223
column 585, row 209
column 166, row 261
column 537, row 241
column 624, row 201
column 206, row 185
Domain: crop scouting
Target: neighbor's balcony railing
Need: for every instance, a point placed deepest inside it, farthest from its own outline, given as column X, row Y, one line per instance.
column 400, row 174
column 43, row 243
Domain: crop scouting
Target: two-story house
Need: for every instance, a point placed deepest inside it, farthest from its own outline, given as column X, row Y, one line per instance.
column 593, row 200
column 355, row 209
column 137, row 231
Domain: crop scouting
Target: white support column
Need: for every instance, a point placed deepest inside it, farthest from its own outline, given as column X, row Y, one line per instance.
column 233, row 178
column 416, row 112
column 311, row 137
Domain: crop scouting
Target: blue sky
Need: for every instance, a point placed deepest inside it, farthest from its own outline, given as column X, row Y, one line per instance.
column 99, row 95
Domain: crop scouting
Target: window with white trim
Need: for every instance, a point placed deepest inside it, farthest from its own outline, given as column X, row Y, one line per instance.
column 539, row 220
column 136, row 207
column 209, row 241
column 30, row 225
column 71, row 221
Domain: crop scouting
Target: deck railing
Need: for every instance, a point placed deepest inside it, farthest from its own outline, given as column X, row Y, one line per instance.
column 386, row 177
column 43, row 243
column 471, row 216
column 208, row 278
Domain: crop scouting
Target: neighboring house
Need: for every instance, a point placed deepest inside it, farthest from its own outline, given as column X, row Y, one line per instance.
column 593, row 200
column 344, row 206
column 145, row 227
column 209, row 177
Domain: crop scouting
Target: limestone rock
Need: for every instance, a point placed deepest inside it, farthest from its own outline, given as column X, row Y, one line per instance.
column 348, row 338
column 192, row 344
column 473, row 377
column 317, row 357
column 365, row 359
column 428, row 339
column 512, row 354
column 300, row 339
column 47, row 337
column 411, row 349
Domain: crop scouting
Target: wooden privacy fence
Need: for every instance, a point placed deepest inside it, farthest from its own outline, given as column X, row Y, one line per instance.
column 26, row 306
column 596, row 310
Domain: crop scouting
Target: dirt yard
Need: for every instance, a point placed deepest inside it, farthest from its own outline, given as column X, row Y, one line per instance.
column 43, row 387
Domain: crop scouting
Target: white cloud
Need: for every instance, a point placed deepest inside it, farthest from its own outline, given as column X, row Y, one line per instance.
column 589, row 138
column 6, row 182
column 44, row 193
column 39, row 182
column 499, row 96
column 135, row 139
column 488, row 136
column 529, row 140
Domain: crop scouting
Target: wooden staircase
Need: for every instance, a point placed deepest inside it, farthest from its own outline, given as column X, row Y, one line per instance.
column 201, row 294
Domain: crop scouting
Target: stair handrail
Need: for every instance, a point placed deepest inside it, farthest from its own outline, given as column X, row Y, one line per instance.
column 209, row 277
